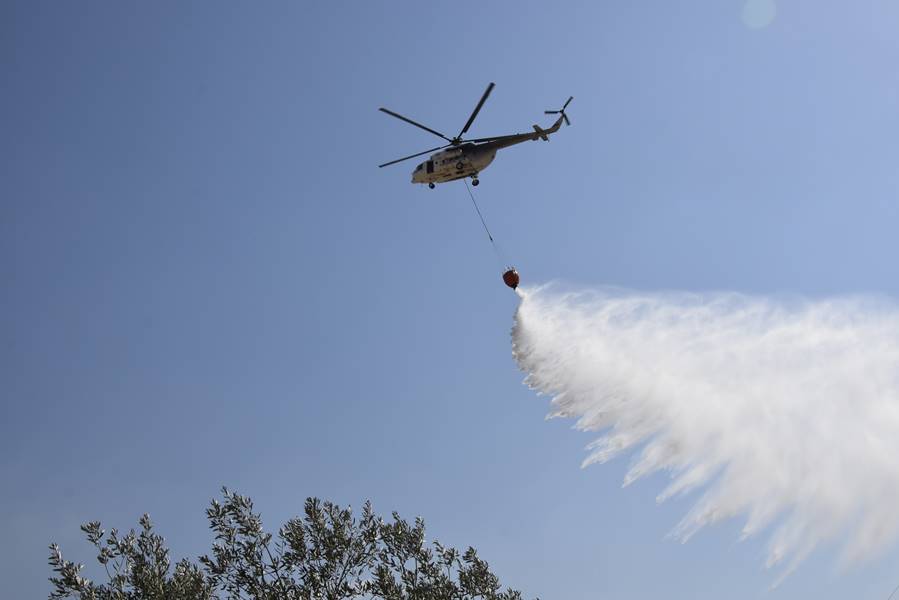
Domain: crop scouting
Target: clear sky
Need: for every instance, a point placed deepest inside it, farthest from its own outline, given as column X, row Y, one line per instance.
column 207, row 281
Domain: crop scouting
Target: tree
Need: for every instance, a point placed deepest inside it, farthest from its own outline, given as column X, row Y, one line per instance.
column 327, row 554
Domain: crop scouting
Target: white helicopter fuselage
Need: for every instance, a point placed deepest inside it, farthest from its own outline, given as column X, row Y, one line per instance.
column 466, row 160
column 470, row 158
column 462, row 158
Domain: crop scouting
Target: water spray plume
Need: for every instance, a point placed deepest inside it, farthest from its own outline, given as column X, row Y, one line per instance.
column 782, row 412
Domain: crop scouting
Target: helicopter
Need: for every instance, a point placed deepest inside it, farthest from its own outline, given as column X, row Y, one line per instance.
column 462, row 158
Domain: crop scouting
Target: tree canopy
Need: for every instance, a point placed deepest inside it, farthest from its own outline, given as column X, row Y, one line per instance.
column 328, row 554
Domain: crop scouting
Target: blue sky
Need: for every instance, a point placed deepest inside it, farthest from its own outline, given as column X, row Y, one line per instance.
column 207, row 281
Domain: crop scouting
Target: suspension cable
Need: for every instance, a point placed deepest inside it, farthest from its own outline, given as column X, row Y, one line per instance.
column 475, row 203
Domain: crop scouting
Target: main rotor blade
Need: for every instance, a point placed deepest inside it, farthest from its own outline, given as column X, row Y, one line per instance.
column 411, row 122
column 567, row 103
column 477, row 109
column 393, row 162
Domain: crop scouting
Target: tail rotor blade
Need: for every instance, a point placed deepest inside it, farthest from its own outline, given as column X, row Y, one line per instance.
column 561, row 111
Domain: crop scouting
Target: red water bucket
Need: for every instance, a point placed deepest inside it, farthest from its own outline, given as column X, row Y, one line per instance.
column 510, row 278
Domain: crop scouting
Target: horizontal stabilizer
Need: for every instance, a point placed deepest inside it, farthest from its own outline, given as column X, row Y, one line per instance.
column 542, row 133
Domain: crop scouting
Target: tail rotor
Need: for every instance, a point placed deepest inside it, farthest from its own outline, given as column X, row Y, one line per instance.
column 561, row 111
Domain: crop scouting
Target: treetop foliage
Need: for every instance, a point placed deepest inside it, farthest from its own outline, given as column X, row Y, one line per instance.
column 328, row 554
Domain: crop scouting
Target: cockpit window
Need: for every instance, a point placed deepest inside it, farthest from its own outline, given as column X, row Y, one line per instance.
column 418, row 168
